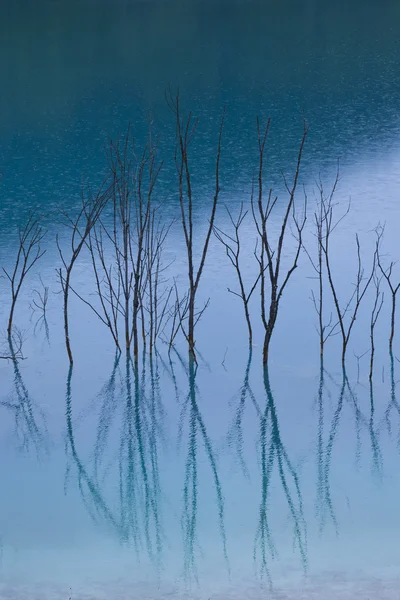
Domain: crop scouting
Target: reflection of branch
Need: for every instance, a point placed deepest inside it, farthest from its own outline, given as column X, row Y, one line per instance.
column 359, row 418
column 320, row 443
column 108, row 394
column 272, row 448
column 235, row 435
column 345, row 392
column 94, row 499
column 27, row 428
column 328, row 454
column 139, row 457
column 393, row 403
column 138, row 517
column 377, row 461
column 197, row 428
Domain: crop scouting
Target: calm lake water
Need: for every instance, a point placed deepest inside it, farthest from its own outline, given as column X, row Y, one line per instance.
column 151, row 482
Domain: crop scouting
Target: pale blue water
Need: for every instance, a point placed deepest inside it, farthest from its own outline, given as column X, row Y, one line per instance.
column 111, row 492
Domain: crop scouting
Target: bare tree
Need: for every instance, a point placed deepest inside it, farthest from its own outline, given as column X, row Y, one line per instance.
column 29, row 252
column 126, row 248
column 40, row 299
column 39, row 304
column 376, row 309
column 108, row 285
column 185, row 131
column 177, row 313
column 133, row 182
column 15, row 343
column 232, row 246
column 387, row 274
column 346, row 313
column 157, row 299
column 80, row 226
column 325, row 328
column 270, row 259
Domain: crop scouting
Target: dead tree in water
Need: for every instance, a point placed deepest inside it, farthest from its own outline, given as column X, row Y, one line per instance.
column 376, row 309
column 126, row 248
column 387, row 274
column 15, row 343
column 39, row 303
column 108, row 287
column 119, row 251
column 185, row 130
column 347, row 313
column 157, row 303
column 270, row 259
column 81, row 226
column 324, row 203
column 232, row 246
column 29, row 252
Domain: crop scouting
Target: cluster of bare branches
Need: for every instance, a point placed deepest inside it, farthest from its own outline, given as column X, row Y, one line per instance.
column 272, row 274
column 39, row 305
column 342, row 320
column 185, row 131
column 127, row 255
column 270, row 257
column 387, row 274
column 15, row 342
column 123, row 230
column 232, row 245
column 80, row 228
column 30, row 238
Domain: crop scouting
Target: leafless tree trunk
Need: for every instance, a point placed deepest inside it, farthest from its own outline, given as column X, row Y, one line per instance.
column 387, row 274
column 39, row 303
column 108, row 286
column 177, row 314
column 133, row 186
column 81, row 226
column 157, row 300
column 325, row 329
column 185, row 130
column 377, row 307
column 120, row 250
column 29, row 252
column 232, row 246
column 350, row 309
column 270, row 259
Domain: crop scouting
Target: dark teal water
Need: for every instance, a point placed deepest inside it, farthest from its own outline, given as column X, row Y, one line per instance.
column 124, row 483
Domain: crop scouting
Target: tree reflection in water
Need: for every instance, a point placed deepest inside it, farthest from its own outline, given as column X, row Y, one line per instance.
column 136, row 518
column 191, row 416
column 132, row 434
column 275, row 454
column 363, row 423
column 30, row 422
